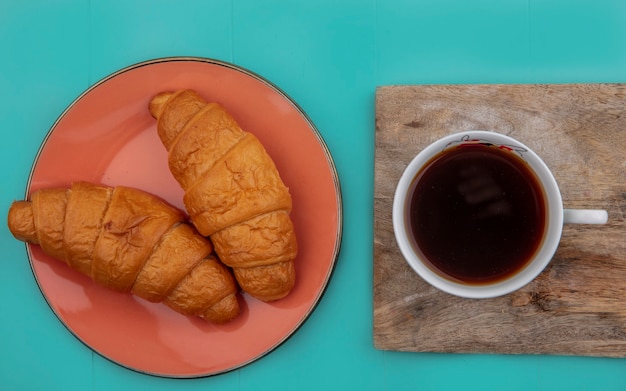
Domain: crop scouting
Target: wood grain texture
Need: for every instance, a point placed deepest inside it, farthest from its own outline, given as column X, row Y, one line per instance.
column 577, row 306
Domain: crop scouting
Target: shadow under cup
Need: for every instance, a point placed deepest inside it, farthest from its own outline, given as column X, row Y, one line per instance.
column 477, row 214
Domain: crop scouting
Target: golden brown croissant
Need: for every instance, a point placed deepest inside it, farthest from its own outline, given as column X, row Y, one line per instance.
column 129, row 241
column 233, row 191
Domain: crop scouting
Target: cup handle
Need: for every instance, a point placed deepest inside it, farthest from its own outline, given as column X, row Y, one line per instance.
column 585, row 216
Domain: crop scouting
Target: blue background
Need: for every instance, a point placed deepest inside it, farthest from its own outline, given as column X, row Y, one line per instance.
column 329, row 56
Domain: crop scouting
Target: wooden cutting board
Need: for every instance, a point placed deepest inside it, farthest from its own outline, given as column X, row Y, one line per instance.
column 577, row 306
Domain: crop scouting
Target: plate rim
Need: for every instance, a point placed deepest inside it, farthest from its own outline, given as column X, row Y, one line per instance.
column 332, row 170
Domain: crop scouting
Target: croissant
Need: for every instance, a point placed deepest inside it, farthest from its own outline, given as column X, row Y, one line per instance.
column 233, row 191
column 129, row 241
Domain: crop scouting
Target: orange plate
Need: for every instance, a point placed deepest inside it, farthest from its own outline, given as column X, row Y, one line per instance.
column 108, row 136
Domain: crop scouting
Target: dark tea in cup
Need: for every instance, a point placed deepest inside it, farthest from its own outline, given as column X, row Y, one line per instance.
column 476, row 213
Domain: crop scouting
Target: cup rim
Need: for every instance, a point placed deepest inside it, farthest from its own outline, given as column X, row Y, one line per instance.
column 547, row 248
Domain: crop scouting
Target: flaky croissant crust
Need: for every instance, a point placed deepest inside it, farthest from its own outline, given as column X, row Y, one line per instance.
column 233, row 191
column 129, row 241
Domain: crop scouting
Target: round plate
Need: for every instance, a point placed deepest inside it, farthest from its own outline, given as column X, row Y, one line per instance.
column 107, row 136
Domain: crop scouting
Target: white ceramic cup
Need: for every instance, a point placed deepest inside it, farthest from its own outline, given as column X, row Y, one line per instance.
column 555, row 218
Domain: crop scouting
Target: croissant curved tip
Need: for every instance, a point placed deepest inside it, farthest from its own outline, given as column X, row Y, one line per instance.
column 223, row 311
column 158, row 103
column 21, row 223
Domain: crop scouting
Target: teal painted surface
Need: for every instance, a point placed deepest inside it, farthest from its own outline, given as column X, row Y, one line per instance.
column 328, row 55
